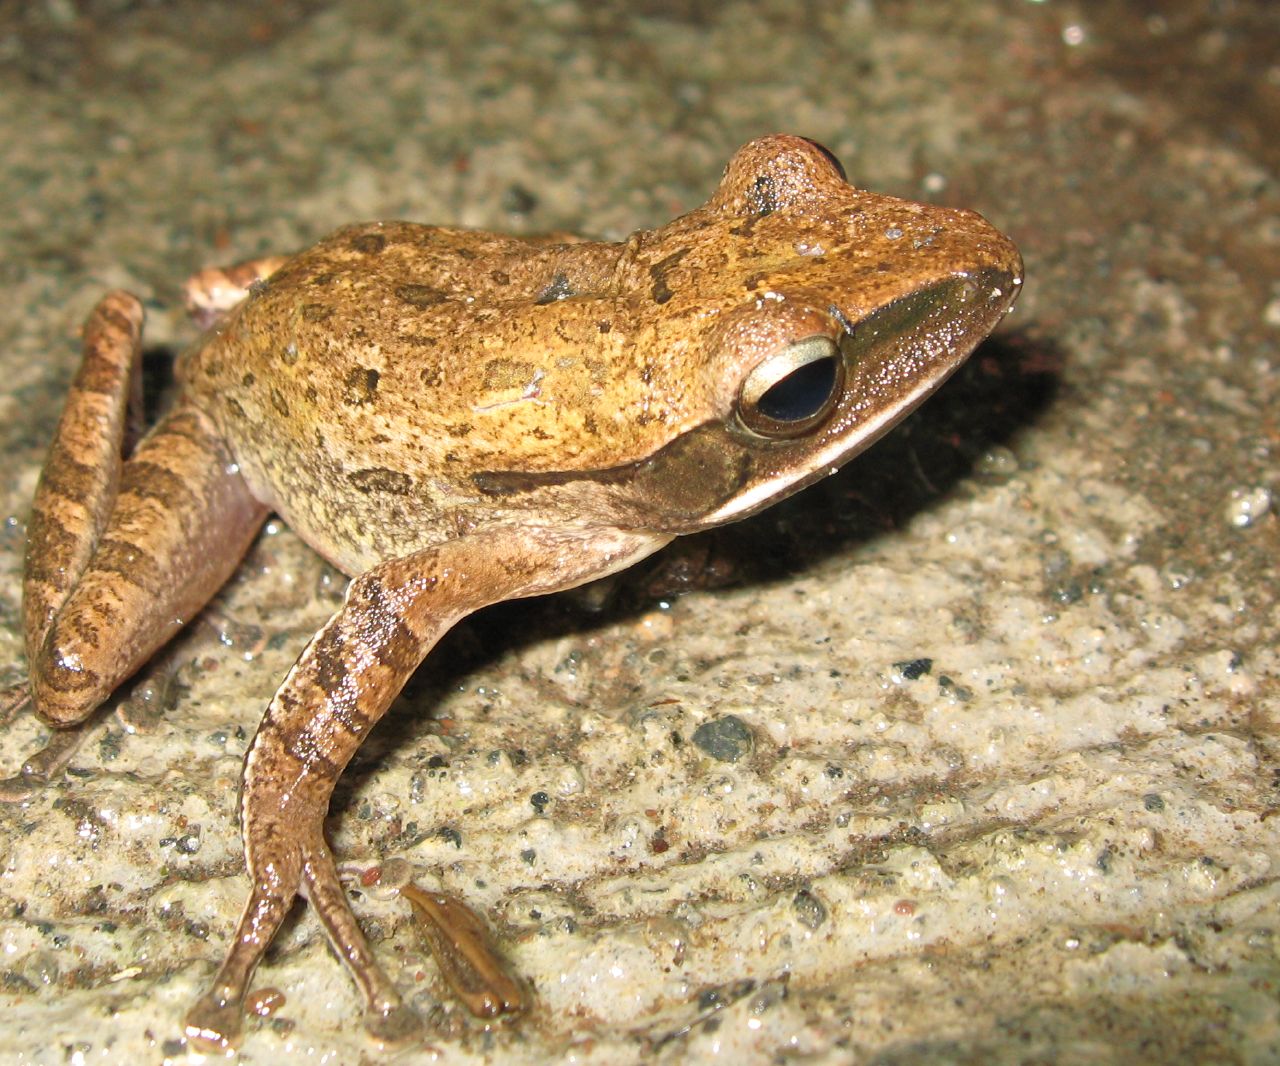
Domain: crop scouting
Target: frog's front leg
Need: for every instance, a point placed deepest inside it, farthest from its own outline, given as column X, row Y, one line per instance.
column 338, row 689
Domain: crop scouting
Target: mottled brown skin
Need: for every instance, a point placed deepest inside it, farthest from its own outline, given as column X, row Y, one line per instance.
column 457, row 418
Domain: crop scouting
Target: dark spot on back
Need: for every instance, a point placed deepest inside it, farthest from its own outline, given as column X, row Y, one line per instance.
column 500, row 277
column 380, row 479
column 762, row 197
column 361, row 385
column 315, row 312
column 248, row 380
column 421, row 296
column 558, row 289
column 662, row 291
column 278, row 402
column 369, row 243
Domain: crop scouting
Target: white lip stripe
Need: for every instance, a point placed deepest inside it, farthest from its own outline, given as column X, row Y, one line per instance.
column 840, row 446
column 844, row 446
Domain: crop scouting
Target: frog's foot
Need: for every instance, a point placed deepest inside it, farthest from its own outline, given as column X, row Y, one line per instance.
column 395, row 1025
column 286, row 852
column 213, row 1023
column 386, row 1019
column 210, row 294
column 275, row 871
column 47, row 764
column 460, row 944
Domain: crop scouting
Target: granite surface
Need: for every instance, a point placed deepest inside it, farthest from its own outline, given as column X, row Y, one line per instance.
column 973, row 759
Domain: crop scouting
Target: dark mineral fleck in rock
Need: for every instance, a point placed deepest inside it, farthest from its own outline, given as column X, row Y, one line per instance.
column 727, row 739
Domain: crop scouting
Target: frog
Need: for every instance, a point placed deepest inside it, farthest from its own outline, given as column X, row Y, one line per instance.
column 454, row 418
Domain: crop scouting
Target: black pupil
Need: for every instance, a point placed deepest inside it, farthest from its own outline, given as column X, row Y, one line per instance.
column 802, row 393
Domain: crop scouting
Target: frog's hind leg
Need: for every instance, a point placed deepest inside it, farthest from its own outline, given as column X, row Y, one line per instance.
column 120, row 555
column 210, row 293
column 181, row 522
column 73, row 501
column 81, row 475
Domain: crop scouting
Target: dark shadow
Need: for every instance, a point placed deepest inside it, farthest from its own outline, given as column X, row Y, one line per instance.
column 1004, row 387
column 159, row 386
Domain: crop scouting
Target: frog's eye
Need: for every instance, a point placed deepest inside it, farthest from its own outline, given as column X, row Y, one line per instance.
column 793, row 390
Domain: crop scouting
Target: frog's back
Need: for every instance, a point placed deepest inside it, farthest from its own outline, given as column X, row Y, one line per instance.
column 362, row 384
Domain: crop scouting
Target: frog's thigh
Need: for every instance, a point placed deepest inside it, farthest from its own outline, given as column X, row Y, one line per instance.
column 338, row 689
column 181, row 521
column 211, row 293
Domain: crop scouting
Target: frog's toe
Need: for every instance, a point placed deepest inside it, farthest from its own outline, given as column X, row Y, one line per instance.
column 393, row 1026
column 213, row 1024
column 19, row 789
column 13, row 699
column 46, row 765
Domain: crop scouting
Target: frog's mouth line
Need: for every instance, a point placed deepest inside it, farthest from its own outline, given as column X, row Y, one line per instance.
column 715, row 474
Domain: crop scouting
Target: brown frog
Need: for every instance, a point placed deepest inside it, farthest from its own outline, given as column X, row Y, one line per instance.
column 456, row 418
